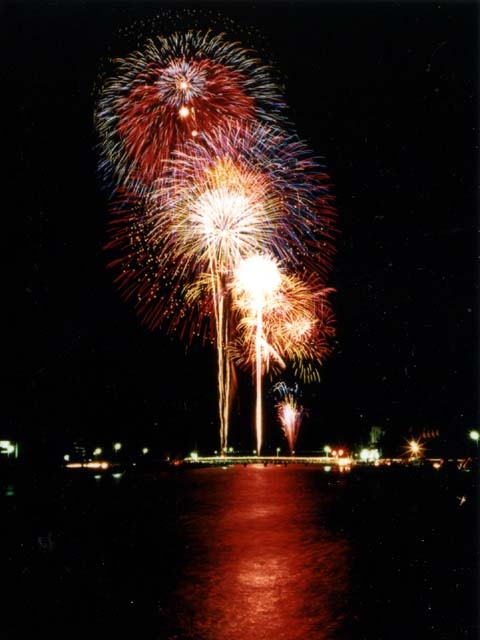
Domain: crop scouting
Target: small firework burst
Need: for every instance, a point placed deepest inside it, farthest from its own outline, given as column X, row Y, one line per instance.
column 290, row 413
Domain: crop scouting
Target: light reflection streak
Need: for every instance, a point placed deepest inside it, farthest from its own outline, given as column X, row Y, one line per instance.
column 261, row 565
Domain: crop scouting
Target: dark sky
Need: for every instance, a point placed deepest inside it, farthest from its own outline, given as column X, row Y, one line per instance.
column 386, row 93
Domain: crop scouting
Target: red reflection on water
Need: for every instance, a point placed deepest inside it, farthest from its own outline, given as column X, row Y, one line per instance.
column 261, row 563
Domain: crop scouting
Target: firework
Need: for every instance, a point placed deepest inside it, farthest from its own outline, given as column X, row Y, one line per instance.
column 289, row 413
column 297, row 330
column 257, row 278
column 203, row 179
column 283, row 319
column 172, row 90
column 280, row 180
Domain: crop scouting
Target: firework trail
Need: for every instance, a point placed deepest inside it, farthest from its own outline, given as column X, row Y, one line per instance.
column 256, row 281
column 174, row 89
column 290, row 413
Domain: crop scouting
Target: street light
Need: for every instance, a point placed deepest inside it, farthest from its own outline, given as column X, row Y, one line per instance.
column 475, row 436
column 415, row 449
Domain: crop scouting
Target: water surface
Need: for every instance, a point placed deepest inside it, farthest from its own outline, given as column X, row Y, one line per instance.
column 257, row 553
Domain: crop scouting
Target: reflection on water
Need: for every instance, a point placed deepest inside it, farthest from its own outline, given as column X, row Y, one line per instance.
column 266, row 553
column 260, row 562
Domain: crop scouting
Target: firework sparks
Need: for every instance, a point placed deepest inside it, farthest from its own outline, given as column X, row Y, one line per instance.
column 298, row 329
column 172, row 90
column 290, row 413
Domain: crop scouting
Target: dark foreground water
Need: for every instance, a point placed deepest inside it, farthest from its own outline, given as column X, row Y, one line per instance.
column 264, row 553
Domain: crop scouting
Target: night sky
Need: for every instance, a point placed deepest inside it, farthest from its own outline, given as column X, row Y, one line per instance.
column 385, row 93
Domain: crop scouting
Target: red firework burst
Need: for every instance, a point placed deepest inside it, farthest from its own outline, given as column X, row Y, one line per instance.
column 177, row 87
